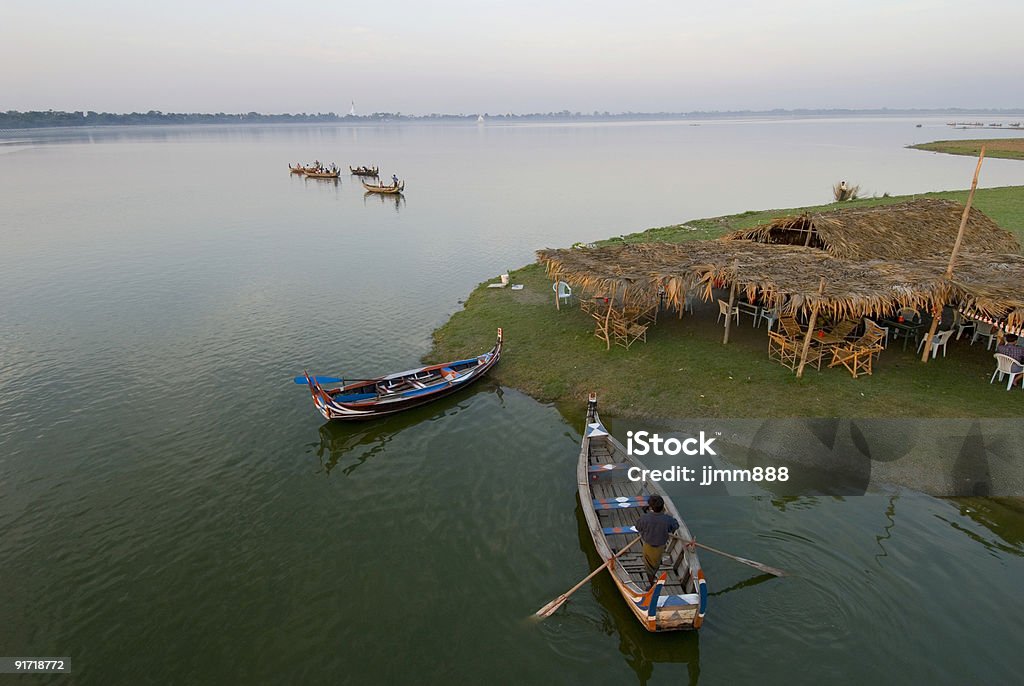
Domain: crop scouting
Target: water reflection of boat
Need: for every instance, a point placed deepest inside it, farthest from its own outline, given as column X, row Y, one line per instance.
column 364, row 441
column 397, row 198
column 641, row 649
column 612, row 504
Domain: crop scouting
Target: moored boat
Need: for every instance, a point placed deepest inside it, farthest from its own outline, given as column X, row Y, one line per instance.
column 297, row 170
column 364, row 171
column 386, row 395
column 380, row 188
column 322, row 174
column 612, row 505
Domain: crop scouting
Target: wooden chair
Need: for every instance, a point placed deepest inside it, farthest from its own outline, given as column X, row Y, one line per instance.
column 858, row 356
column 872, row 325
column 783, row 350
column 786, row 344
column 627, row 333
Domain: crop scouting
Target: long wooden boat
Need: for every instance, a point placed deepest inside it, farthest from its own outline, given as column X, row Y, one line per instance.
column 612, row 505
column 389, row 189
column 297, row 170
column 386, row 395
column 364, row 171
column 322, row 175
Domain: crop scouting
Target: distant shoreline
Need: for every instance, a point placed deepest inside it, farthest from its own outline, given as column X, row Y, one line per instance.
column 15, row 120
column 1006, row 148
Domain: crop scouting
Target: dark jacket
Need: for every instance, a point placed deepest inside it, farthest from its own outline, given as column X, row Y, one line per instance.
column 655, row 527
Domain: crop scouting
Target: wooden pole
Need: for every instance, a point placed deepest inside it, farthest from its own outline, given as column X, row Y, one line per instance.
column 952, row 258
column 810, row 330
column 558, row 305
column 607, row 319
column 732, row 300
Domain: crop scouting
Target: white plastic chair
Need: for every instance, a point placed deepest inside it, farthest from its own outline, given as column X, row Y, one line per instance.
column 769, row 315
column 884, row 329
column 962, row 324
column 983, row 330
column 723, row 310
column 909, row 314
column 688, row 303
column 1009, row 366
column 563, row 290
column 939, row 341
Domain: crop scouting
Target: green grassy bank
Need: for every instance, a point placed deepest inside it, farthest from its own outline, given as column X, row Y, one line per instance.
column 684, row 370
column 1010, row 148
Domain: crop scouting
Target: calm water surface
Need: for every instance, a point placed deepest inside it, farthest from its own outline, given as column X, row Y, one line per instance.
column 172, row 509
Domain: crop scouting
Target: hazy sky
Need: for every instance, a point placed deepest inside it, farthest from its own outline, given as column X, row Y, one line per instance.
column 479, row 56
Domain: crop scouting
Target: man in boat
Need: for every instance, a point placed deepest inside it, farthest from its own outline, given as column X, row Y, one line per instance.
column 655, row 527
column 394, row 180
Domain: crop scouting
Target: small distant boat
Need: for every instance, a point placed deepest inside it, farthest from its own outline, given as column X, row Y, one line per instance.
column 388, row 189
column 324, row 174
column 386, row 395
column 1015, row 124
column 612, row 505
column 918, row 126
column 364, row 171
column 297, row 170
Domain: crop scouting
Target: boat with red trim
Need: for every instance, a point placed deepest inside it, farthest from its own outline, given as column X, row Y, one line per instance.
column 612, row 505
column 386, row 395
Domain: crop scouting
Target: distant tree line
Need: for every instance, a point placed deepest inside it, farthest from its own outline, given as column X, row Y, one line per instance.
column 13, row 119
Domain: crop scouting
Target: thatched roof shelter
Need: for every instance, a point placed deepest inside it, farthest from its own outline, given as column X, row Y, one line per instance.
column 925, row 227
column 790, row 276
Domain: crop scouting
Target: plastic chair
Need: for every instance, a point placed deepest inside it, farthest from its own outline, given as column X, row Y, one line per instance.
column 940, row 340
column 723, row 309
column 1009, row 366
column 563, row 290
column 909, row 314
column 771, row 316
column 688, row 303
column 962, row 324
column 983, row 330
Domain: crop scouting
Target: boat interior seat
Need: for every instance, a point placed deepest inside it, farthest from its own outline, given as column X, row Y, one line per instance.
column 622, row 502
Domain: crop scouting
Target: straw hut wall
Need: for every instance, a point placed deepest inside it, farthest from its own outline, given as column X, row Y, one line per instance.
column 789, row 277
column 925, row 227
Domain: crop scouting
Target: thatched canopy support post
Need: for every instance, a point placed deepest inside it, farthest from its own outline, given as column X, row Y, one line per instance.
column 732, row 300
column 952, row 260
column 558, row 304
column 607, row 319
column 810, row 330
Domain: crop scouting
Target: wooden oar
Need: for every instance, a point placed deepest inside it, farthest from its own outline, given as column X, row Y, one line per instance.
column 550, row 608
column 756, row 565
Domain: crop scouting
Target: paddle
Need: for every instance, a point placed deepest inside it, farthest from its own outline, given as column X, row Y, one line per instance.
column 550, row 608
column 756, row 565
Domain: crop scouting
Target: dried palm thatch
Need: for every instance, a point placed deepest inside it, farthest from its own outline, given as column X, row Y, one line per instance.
column 789, row 277
column 919, row 228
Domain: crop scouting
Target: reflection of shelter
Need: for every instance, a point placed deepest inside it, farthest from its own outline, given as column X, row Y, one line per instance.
column 908, row 230
column 844, row 269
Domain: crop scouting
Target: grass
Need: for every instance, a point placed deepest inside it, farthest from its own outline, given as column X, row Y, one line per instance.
column 1009, row 148
column 684, row 370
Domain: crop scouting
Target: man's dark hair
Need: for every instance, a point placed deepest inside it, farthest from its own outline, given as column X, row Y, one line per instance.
column 657, row 503
column 1011, row 338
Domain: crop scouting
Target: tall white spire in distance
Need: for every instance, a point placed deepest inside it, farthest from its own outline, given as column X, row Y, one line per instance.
column 352, row 112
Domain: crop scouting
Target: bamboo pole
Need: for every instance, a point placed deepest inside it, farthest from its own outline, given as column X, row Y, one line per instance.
column 810, row 330
column 952, row 258
column 558, row 305
column 607, row 319
column 732, row 300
